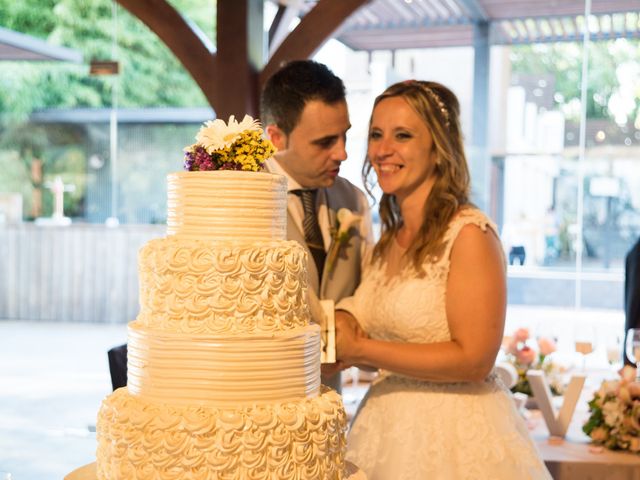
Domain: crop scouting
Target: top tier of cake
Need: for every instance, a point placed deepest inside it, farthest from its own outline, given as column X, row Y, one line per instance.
column 227, row 205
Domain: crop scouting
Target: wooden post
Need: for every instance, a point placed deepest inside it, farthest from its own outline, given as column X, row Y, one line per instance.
column 240, row 55
column 231, row 78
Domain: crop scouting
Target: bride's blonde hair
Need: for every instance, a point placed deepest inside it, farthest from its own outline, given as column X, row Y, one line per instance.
column 440, row 110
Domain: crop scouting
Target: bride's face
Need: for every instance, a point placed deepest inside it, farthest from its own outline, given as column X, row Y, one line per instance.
column 401, row 150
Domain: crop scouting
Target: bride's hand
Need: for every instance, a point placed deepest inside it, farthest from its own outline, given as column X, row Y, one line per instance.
column 348, row 332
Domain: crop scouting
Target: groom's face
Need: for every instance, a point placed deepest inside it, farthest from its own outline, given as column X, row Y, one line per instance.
column 313, row 151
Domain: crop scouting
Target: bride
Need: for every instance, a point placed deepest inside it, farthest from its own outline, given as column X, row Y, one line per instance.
column 432, row 304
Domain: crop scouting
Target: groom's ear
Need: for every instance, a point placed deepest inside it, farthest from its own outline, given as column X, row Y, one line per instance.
column 277, row 136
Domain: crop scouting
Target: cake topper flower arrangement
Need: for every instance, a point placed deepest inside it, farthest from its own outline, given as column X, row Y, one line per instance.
column 228, row 146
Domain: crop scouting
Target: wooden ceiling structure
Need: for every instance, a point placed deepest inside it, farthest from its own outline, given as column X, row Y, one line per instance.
column 397, row 24
column 232, row 75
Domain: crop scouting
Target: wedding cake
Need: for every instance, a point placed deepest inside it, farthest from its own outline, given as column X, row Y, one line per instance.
column 223, row 361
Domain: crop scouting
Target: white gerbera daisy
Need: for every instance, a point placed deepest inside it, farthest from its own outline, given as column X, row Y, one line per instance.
column 246, row 124
column 216, row 135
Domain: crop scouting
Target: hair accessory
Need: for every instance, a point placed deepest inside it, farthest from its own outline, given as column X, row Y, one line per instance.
column 441, row 106
column 434, row 96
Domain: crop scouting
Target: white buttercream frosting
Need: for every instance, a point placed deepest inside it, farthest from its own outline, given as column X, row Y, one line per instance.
column 222, row 287
column 302, row 440
column 227, row 205
column 223, row 362
column 223, row 371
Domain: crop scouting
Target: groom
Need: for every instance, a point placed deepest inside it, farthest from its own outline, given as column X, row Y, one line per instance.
column 305, row 115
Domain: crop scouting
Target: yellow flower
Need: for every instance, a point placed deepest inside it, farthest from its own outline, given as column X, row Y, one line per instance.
column 232, row 146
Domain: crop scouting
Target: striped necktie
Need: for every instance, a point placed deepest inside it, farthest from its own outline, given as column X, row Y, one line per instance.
column 312, row 233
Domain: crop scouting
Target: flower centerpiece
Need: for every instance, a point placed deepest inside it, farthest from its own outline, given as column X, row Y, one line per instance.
column 614, row 420
column 228, row 146
column 523, row 357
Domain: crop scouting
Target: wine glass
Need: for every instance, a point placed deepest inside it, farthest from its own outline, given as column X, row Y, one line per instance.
column 584, row 338
column 633, row 347
column 614, row 350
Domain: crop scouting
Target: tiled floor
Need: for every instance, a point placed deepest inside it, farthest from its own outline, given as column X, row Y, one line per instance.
column 54, row 376
column 52, row 380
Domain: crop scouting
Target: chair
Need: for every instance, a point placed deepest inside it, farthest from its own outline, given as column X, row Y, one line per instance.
column 118, row 366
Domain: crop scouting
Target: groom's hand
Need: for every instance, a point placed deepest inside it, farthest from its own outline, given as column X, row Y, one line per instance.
column 348, row 332
column 330, row 369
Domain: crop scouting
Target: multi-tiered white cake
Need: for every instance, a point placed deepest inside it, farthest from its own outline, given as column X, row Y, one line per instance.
column 224, row 364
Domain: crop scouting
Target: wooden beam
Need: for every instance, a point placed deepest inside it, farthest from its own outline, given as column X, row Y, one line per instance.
column 239, row 57
column 477, row 11
column 279, row 28
column 311, row 33
column 177, row 34
column 228, row 78
column 275, row 24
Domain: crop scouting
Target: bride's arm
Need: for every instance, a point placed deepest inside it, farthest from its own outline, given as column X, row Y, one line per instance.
column 475, row 306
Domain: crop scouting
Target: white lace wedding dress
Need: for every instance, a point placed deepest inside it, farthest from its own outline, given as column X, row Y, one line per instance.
column 414, row 430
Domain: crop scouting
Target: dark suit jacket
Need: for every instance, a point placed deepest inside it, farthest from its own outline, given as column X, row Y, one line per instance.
column 632, row 291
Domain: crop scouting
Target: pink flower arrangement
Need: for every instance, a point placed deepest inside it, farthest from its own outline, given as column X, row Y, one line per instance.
column 547, row 346
column 523, row 357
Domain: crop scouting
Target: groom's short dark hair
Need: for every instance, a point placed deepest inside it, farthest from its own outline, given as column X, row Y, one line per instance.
column 289, row 89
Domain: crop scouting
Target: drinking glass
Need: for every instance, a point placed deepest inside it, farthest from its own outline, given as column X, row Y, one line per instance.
column 614, row 350
column 633, row 348
column 584, row 338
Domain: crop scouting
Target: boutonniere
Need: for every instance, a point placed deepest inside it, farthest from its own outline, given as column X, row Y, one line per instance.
column 340, row 235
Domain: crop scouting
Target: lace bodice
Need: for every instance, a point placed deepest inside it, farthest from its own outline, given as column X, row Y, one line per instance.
column 409, row 429
column 410, row 305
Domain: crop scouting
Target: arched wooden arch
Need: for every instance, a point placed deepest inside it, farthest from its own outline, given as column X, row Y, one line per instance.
column 232, row 76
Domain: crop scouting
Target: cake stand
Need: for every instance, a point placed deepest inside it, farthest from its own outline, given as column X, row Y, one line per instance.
column 88, row 472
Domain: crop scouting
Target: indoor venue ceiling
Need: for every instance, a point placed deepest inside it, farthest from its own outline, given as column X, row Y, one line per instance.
column 398, row 24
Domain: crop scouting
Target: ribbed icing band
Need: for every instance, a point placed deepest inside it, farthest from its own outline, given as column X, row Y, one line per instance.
column 223, row 371
column 227, row 205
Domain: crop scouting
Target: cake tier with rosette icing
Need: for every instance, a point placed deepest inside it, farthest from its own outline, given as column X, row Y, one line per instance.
column 224, row 364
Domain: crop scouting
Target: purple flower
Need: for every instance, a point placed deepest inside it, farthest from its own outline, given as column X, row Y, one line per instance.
column 188, row 162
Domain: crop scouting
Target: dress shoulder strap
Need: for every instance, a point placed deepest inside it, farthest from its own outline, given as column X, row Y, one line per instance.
column 464, row 217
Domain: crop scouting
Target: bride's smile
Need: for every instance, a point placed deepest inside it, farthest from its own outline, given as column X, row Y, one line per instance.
column 401, row 149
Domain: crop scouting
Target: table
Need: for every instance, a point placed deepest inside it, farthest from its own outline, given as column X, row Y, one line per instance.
column 87, row 472
column 574, row 458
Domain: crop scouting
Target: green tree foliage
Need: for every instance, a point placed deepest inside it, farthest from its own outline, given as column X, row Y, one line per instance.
column 150, row 75
column 611, row 76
